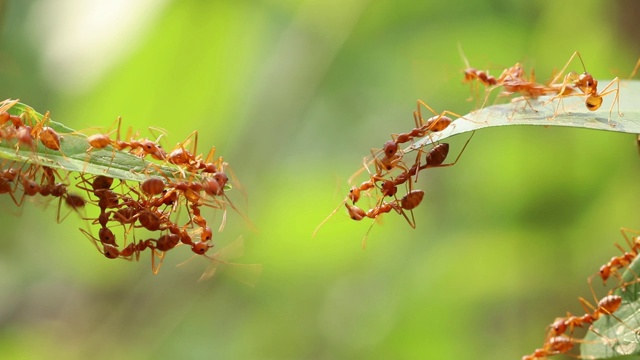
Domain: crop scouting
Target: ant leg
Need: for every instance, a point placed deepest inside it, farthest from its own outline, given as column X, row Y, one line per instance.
column 92, row 238
column 154, row 129
column 633, row 244
column 457, row 158
column 8, row 104
column 616, row 99
column 329, row 217
column 160, row 256
column 633, row 73
column 194, row 148
column 575, row 53
column 419, row 104
column 366, row 235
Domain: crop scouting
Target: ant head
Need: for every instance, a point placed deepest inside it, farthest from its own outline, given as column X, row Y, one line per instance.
column 559, row 326
column 605, row 272
column 354, row 194
column 221, row 178
column 469, row 74
column 154, row 150
column 586, row 83
column 60, row 189
column 200, row 247
column 110, row 251
column 212, row 187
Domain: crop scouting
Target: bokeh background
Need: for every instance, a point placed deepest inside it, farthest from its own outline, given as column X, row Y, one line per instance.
column 293, row 94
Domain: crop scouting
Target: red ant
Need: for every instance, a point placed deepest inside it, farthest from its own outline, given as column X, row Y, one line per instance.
column 553, row 346
column 8, row 177
column 183, row 158
column 408, row 202
column 142, row 147
column 354, row 196
column 471, row 74
column 435, row 158
column 589, row 87
column 5, row 116
column 606, row 306
column 134, row 249
column 47, row 136
column 392, row 158
column 619, row 262
column 197, row 219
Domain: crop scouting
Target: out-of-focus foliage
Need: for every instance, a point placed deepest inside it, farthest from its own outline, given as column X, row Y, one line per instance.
column 294, row 94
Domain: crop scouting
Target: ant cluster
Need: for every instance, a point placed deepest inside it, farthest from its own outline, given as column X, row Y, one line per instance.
column 559, row 339
column 173, row 182
column 392, row 170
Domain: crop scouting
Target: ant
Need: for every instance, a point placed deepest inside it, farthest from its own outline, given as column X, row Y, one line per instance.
column 131, row 250
column 183, row 158
column 73, row 201
column 606, row 306
column 196, row 218
column 139, row 147
column 513, row 80
column 354, row 196
column 47, row 136
column 408, row 202
column 434, row 158
column 392, row 157
column 105, row 236
column 621, row 261
column 553, row 346
column 8, row 177
column 198, row 247
column 471, row 74
column 589, row 87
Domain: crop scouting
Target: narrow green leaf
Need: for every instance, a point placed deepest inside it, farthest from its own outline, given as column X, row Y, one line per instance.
column 74, row 154
column 571, row 112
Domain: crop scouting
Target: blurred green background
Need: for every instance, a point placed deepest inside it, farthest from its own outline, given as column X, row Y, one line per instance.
column 293, row 94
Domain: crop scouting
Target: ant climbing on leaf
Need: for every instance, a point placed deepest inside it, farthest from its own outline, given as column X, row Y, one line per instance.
column 588, row 87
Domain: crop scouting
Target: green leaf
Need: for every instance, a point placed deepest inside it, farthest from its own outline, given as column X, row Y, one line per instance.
column 618, row 334
column 74, row 153
column 540, row 112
